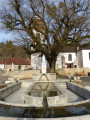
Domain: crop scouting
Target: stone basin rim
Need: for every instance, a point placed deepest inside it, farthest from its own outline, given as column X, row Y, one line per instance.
column 31, row 106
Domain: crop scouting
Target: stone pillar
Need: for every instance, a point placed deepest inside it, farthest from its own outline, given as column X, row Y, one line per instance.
column 43, row 65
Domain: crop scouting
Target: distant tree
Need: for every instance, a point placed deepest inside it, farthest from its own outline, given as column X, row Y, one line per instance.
column 20, row 52
column 8, row 49
column 65, row 24
column 1, row 50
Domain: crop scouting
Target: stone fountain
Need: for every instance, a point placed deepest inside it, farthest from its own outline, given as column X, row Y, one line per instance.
column 45, row 98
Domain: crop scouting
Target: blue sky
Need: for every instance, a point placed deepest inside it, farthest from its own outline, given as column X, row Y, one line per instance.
column 4, row 36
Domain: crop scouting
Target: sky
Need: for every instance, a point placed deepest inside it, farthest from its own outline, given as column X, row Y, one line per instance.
column 4, row 35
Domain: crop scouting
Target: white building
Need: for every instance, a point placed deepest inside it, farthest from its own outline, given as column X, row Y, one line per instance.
column 83, row 58
column 68, row 58
column 36, row 61
column 1, row 65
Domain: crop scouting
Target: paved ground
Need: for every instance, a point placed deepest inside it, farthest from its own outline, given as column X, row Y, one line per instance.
column 85, row 79
column 16, row 96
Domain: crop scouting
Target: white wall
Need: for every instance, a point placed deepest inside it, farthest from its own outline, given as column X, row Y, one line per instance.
column 86, row 61
column 2, row 66
column 65, row 54
column 36, row 61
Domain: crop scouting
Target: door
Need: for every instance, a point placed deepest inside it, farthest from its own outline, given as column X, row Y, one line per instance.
column 69, row 66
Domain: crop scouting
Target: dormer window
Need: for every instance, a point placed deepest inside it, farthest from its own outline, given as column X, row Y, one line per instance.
column 70, row 57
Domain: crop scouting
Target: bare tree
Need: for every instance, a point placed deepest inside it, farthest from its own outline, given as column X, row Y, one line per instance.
column 65, row 24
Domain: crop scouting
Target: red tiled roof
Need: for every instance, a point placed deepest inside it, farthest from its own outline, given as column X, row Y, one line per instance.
column 1, row 62
column 17, row 61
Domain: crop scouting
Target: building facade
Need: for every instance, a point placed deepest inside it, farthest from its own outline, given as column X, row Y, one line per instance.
column 14, row 64
column 83, row 58
column 68, row 58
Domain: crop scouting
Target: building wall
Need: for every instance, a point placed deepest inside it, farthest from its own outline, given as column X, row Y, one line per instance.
column 23, row 67
column 36, row 61
column 86, row 60
column 1, row 66
column 81, row 60
column 59, row 59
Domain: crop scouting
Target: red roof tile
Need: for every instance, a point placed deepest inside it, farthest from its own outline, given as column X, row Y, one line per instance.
column 17, row 61
column 1, row 62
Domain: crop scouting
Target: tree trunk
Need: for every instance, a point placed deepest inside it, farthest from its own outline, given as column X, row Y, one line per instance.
column 52, row 67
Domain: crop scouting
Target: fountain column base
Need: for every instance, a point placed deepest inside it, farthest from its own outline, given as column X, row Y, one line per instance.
column 51, row 77
column 43, row 68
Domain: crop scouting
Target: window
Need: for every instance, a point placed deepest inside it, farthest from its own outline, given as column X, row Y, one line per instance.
column 69, row 57
column 89, row 55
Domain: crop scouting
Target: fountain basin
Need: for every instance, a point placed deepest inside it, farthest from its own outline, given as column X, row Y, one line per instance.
column 31, row 111
column 34, row 95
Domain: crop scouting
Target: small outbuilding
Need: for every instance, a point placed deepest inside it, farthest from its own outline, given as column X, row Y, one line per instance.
column 14, row 64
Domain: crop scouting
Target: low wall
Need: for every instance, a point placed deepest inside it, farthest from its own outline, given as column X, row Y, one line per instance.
column 57, row 100
column 29, row 111
column 50, row 76
column 22, row 74
column 79, row 90
column 9, row 90
column 33, row 101
column 72, row 71
column 60, row 99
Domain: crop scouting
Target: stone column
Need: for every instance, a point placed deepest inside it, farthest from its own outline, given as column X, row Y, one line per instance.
column 43, row 65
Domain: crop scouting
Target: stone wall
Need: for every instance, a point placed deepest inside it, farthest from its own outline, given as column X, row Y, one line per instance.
column 47, row 76
column 31, row 100
column 15, row 67
column 9, row 90
column 79, row 90
column 21, row 110
column 72, row 71
column 22, row 74
column 57, row 100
